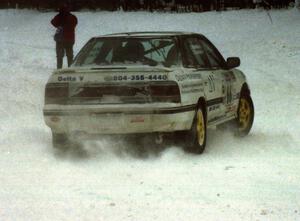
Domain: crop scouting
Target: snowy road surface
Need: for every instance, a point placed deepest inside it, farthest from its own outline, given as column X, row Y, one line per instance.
column 255, row 178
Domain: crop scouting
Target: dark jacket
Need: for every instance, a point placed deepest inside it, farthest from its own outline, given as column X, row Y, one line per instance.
column 68, row 21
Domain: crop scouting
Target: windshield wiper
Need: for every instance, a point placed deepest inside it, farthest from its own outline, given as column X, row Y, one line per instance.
column 157, row 49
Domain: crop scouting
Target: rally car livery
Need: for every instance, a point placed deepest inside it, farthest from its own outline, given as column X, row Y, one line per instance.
column 148, row 82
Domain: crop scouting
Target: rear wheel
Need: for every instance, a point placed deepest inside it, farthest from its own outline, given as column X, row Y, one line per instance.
column 60, row 140
column 245, row 115
column 197, row 135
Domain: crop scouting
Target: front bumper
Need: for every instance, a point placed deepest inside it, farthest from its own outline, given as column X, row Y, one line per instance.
column 118, row 120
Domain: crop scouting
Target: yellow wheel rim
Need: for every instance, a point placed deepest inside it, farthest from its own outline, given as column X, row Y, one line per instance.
column 244, row 114
column 200, row 128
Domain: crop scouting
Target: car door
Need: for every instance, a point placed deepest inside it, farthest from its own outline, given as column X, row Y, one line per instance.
column 196, row 62
column 220, row 71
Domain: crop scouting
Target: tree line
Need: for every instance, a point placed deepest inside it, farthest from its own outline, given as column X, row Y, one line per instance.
column 148, row 5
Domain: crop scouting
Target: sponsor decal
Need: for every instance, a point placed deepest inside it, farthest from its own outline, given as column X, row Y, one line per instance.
column 75, row 91
column 227, row 87
column 236, row 96
column 216, row 118
column 215, row 107
column 192, row 88
column 229, row 76
column 231, row 108
column 188, row 77
column 229, row 93
column 138, row 77
column 185, row 86
column 211, row 83
column 138, row 119
column 70, row 78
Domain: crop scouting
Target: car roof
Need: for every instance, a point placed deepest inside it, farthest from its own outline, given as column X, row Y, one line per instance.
column 149, row 34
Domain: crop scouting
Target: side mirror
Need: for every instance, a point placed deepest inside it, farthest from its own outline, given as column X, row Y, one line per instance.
column 233, row 62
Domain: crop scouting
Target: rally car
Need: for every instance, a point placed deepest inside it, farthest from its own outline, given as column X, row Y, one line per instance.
column 148, row 82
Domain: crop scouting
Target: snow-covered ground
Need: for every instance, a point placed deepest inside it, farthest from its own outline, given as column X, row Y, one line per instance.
column 254, row 178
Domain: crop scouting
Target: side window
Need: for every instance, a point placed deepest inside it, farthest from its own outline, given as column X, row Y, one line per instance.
column 195, row 54
column 214, row 57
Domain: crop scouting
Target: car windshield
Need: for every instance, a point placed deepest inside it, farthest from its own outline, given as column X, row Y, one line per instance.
column 126, row 51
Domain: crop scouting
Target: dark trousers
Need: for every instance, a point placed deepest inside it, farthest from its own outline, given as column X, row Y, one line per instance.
column 63, row 48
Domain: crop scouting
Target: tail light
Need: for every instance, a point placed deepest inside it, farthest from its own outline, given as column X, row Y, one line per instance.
column 165, row 92
column 56, row 93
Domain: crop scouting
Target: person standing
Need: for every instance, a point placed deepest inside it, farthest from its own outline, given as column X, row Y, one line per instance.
column 65, row 24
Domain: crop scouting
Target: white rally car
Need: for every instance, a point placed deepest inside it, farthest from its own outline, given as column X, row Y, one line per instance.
column 148, row 82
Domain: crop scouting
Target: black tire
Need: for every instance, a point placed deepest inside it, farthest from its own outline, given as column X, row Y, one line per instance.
column 196, row 137
column 245, row 115
column 60, row 141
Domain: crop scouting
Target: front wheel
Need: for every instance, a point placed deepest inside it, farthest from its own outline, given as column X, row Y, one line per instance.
column 245, row 115
column 198, row 132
